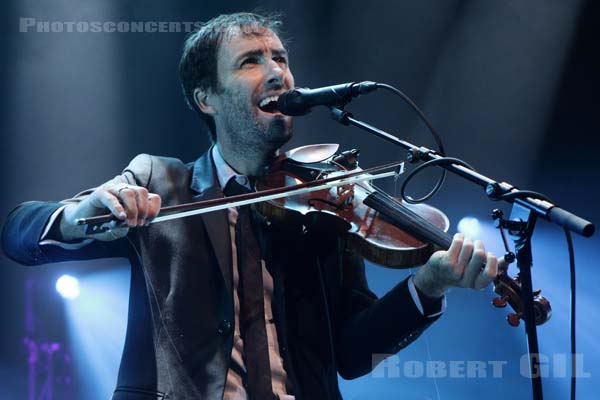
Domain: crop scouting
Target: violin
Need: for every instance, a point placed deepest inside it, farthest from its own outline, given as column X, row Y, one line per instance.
column 382, row 229
column 317, row 188
column 378, row 227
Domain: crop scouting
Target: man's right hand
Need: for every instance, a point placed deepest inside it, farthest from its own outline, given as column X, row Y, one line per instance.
column 133, row 204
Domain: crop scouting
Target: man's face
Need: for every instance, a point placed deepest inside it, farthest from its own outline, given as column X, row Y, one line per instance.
column 251, row 68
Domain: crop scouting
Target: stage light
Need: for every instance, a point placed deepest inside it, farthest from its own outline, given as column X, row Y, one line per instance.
column 470, row 227
column 68, row 287
column 96, row 323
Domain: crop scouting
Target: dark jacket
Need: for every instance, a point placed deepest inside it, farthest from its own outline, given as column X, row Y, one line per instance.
column 180, row 327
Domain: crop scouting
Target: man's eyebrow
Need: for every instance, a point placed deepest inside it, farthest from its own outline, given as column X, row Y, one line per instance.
column 280, row 52
column 260, row 52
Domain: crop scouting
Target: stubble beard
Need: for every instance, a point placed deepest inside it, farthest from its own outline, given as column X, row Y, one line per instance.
column 249, row 136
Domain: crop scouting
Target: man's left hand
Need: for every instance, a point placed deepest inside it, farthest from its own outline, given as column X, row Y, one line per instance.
column 465, row 264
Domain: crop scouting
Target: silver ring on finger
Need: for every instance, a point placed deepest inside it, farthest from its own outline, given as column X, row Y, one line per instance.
column 122, row 188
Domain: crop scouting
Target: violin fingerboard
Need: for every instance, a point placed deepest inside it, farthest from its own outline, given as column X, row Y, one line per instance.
column 408, row 220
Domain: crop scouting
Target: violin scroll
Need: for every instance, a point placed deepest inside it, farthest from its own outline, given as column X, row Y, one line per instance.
column 509, row 289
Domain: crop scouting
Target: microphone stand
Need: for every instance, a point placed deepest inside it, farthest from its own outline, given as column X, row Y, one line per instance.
column 525, row 212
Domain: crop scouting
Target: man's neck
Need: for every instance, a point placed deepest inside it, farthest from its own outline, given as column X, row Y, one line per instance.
column 245, row 161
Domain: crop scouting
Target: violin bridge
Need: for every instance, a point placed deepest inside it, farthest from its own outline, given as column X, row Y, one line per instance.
column 345, row 194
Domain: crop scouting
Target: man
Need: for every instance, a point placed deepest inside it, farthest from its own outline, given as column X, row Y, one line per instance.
column 224, row 305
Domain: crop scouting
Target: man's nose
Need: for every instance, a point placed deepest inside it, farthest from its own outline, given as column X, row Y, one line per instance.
column 275, row 74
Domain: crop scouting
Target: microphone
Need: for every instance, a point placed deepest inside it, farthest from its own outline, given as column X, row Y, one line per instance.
column 300, row 101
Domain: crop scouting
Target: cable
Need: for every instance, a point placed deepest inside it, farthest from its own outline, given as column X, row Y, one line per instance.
column 411, row 174
column 420, row 113
column 434, row 133
column 573, row 336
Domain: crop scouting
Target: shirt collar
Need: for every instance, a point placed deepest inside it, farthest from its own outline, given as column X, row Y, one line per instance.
column 225, row 172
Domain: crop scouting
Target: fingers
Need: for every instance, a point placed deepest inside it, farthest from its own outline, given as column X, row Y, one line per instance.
column 502, row 265
column 467, row 263
column 488, row 273
column 154, row 202
column 466, row 252
column 454, row 250
column 111, row 202
column 127, row 197
column 141, row 198
column 132, row 203
column 473, row 266
column 449, row 266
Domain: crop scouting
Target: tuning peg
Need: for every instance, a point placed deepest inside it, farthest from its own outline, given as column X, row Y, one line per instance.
column 500, row 302
column 514, row 319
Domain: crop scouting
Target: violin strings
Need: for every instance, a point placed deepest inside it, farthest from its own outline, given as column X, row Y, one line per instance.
column 414, row 222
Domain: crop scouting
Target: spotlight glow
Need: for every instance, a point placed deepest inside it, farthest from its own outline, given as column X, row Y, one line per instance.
column 470, row 227
column 68, row 287
column 97, row 322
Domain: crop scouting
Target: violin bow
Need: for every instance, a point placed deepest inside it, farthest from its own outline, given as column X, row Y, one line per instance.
column 104, row 223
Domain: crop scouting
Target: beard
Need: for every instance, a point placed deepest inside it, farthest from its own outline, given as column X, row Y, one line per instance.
column 248, row 129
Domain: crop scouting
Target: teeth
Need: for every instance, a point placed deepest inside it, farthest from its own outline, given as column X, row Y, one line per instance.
column 267, row 100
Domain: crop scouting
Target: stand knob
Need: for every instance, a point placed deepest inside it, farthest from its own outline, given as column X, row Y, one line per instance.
column 514, row 319
column 500, row 302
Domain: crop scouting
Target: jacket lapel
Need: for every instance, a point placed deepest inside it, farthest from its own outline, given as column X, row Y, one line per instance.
column 206, row 184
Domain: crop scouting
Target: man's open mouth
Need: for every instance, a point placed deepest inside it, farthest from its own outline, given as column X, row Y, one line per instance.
column 268, row 104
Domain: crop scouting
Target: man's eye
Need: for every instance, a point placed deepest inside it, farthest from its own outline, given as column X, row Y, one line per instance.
column 250, row 60
column 280, row 59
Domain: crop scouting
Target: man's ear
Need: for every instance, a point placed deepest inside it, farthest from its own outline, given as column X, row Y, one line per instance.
column 203, row 101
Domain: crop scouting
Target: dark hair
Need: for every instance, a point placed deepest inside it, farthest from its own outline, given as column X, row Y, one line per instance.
column 198, row 64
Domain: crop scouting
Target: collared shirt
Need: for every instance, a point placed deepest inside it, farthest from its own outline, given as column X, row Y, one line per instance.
column 234, row 388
